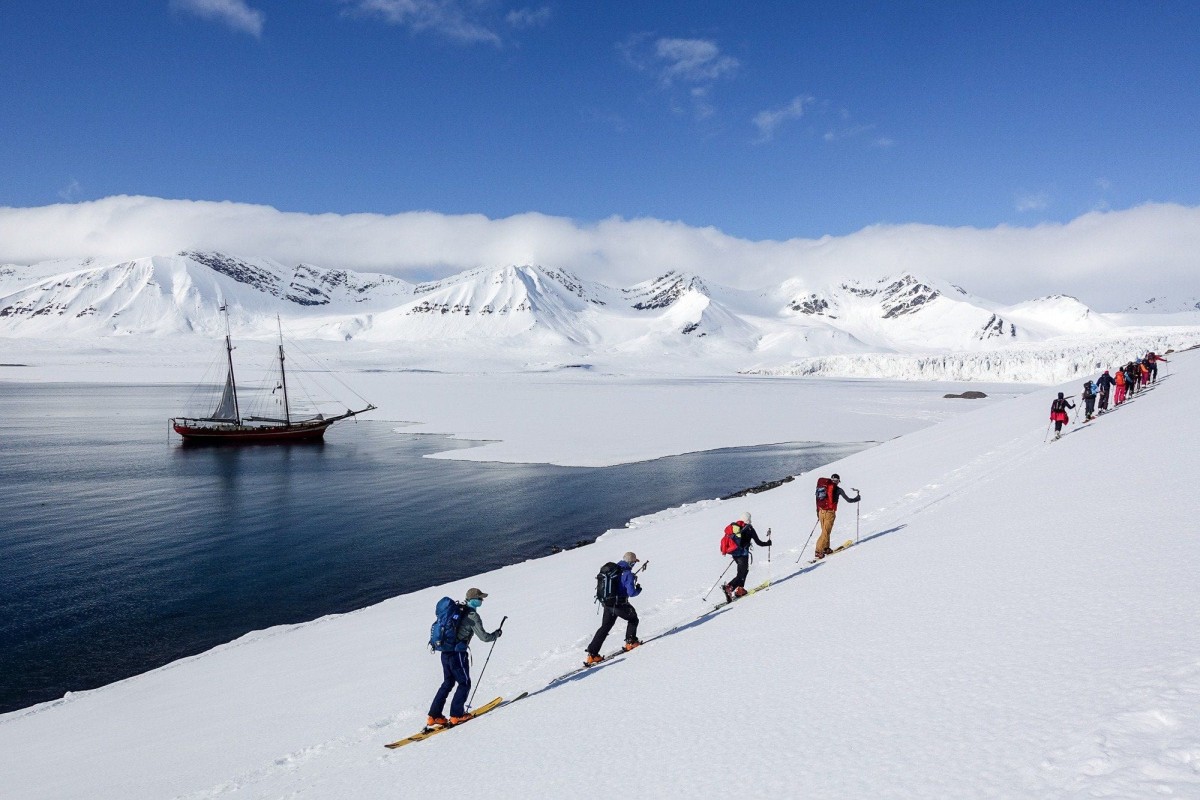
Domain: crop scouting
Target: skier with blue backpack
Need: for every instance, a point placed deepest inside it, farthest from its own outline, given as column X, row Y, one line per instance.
column 451, row 636
column 615, row 584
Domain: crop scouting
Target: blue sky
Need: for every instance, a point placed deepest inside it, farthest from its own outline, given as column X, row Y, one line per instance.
column 769, row 120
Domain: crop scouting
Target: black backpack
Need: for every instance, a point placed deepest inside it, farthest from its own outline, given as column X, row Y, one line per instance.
column 1058, row 405
column 608, row 583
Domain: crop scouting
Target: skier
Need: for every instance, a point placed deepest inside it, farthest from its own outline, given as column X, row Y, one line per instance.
column 1089, row 400
column 1105, row 383
column 743, row 535
column 1119, row 391
column 456, row 664
column 1152, row 360
column 616, row 590
column 1058, row 413
column 828, row 491
column 1144, row 375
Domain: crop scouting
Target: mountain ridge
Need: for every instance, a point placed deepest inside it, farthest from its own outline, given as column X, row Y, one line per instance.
column 679, row 312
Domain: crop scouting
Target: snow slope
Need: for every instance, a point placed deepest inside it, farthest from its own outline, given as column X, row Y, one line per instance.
column 1017, row 621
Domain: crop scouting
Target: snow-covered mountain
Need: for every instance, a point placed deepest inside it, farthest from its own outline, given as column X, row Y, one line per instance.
column 542, row 310
column 1165, row 305
column 177, row 294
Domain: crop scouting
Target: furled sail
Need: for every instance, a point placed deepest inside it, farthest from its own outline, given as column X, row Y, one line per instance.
column 226, row 410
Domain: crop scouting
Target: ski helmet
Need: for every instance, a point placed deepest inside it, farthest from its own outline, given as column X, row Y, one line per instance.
column 746, row 518
column 630, row 558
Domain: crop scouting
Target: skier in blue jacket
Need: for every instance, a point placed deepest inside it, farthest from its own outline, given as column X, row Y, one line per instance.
column 618, row 606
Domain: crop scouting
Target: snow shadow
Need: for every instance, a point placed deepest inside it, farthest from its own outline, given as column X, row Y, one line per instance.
column 882, row 533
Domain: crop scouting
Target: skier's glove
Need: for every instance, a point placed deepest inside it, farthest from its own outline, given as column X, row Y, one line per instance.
column 637, row 586
column 499, row 632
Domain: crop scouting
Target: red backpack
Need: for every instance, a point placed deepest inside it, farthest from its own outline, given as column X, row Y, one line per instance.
column 826, row 494
column 730, row 542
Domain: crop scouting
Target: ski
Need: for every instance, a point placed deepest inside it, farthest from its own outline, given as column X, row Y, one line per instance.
column 603, row 660
column 499, row 702
column 847, row 543
column 749, row 592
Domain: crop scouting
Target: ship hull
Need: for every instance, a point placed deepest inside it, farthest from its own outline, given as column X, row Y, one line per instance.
column 247, row 434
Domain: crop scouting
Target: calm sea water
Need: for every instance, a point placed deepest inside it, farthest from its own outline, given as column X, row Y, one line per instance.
column 121, row 551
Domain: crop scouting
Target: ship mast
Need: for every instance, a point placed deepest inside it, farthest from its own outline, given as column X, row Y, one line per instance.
column 229, row 354
column 287, row 413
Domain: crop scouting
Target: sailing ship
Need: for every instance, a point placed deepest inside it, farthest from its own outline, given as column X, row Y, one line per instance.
column 227, row 425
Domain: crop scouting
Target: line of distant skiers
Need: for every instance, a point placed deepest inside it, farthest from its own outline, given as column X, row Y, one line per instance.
column 1129, row 379
column 616, row 583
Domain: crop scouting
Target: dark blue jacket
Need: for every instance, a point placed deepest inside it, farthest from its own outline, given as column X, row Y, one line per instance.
column 1105, row 382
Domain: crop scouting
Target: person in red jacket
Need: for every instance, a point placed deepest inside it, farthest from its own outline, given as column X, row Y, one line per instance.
column 828, row 492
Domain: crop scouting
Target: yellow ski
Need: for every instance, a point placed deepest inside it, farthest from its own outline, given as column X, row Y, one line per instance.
column 425, row 734
column 845, row 544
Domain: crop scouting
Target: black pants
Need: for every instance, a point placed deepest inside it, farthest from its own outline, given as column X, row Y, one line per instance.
column 1058, row 425
column 625, row 612
column 743, row 565
column 1089, row 404
column 1104, row 401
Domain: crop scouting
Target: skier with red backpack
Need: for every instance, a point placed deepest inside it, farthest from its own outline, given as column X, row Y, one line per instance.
column 1058, row 413
column 451, row 636
column 739, row 535
column 615, row 584
column 827, row 494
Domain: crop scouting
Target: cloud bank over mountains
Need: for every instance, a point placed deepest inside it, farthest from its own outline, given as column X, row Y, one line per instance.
column 1109, row 259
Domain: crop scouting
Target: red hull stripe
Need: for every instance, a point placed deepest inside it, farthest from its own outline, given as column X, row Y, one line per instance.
column 295, row 433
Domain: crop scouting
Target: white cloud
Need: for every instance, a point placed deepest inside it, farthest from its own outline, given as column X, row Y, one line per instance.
column 839, row 123
column 1107, row 259
column 460, row 20
column 686, row 69
column 691, row 61
column 234, row 13
column 1038, row 201
column 528, row 17
column 768, row 121
column 71, row 191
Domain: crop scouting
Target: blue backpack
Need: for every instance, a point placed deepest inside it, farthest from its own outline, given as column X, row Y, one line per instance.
column 443, row 636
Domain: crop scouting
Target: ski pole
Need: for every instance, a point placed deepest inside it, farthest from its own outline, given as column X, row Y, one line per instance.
column 471, row 701
column 809, row 539
column 1047, row 436
column 769, row 539
column 857, row 517
column 710, row 591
